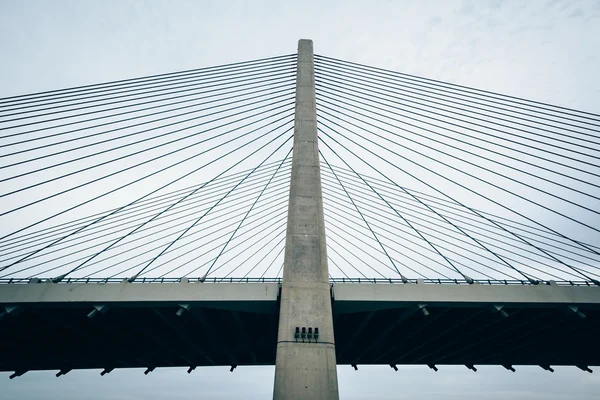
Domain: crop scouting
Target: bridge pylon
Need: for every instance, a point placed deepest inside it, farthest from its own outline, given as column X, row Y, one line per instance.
column 306, row 362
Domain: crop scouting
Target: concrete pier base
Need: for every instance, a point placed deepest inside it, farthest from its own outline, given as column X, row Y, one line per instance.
column 305, row 362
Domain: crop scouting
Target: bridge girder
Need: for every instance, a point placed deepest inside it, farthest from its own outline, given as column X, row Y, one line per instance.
column 544, row 325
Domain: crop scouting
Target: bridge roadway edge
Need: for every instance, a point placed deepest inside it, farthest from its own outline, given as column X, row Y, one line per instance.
column 398, row 294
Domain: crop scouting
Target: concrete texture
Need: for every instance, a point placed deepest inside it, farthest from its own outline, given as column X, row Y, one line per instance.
column 359, row 295
column 463, row 295
column 305, row 370
column 250, row 297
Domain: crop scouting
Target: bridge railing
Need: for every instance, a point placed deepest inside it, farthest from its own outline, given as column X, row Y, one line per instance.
column 457, row 281
column 17, row 281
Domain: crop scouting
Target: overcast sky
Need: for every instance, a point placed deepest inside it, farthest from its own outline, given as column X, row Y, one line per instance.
column 542, row 50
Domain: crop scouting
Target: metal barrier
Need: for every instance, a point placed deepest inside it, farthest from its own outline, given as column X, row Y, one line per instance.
column 14, row 281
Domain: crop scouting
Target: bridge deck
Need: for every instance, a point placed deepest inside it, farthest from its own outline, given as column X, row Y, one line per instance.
column 136, row 325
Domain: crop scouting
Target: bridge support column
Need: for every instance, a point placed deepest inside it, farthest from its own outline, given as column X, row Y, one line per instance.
column 305, row 364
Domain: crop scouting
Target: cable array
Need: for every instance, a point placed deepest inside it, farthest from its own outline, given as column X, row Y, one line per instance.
column 187, row 175
column 103, row 180
column 428, row 179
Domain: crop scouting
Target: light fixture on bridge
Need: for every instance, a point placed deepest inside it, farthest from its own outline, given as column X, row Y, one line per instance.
column 547, row 368
column 508, row 367
column 190, row 369
column 355, row 367
column 433, row 367
column 150, row 369
column 234, row 366
column 182, row 309
column 574, row 310
column 17, row 373
column 394, row 367
column 106, row 371
column 312, row 333
column 63, row 371
column 584, row 368
column 98, row 309
column 471, row 367
column 499, row 309
column 11, row 311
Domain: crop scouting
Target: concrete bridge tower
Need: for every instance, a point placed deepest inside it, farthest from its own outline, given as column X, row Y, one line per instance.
column 305, row 364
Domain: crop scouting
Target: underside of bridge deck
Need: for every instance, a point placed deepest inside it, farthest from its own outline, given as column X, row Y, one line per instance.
column 468, row 336
column 132, row 336
column 374, row 324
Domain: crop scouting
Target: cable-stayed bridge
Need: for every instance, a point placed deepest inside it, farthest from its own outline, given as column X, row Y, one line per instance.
column 302, row 211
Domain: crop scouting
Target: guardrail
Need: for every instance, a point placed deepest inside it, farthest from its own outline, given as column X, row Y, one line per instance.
column 458, row 281
column 17, row 281
column 21, row 281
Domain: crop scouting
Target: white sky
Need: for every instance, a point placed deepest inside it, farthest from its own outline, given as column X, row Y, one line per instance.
column 542, row 50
